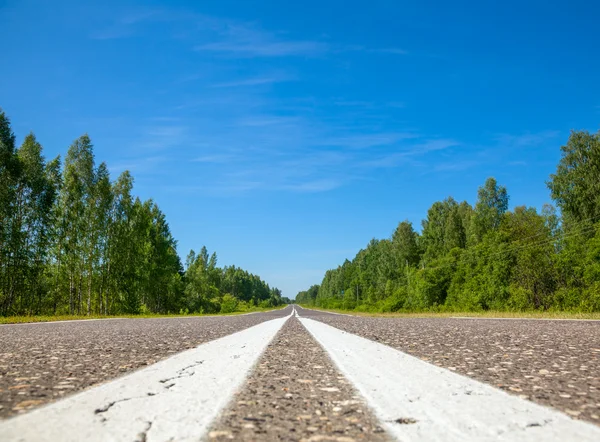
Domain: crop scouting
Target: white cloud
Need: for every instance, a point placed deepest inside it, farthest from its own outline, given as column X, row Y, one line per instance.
column 245, row 40
column 526, row 139
column 257, row 81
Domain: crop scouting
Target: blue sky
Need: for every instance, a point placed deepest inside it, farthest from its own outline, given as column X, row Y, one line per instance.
column 286, row 135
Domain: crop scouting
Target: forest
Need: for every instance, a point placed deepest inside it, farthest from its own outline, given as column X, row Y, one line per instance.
column 485, row 257
column 73, row 242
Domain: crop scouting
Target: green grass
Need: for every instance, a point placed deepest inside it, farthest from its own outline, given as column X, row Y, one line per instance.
column 49, row 318
column 482, row 314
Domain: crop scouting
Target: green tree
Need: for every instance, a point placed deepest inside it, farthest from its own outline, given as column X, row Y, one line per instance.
column 492, row 203
column 575, row 186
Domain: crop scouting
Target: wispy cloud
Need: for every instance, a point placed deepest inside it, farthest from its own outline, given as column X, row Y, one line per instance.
column 230, row 38
column 124, row 25
column 321, row 185
column 257, row 81
column 258, row 48
column 157, row 137
column 368, row 104
column 215, row 159
column 526, row 139
column 267, row 120
column 363, row 141
column 363, row 48
column 243, row 40
column 395, row 51
column 456, row 166
column 406, row 155
column 138, row 165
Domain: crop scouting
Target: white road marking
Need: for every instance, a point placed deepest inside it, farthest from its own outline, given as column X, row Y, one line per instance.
column 174, row 399
column 446, row 406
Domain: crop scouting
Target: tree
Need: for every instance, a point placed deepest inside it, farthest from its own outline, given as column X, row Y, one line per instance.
column 72, row 241
column 30, row 226
column 575, row 186
column 492, row 203
column 9, row 171
column 405, row 246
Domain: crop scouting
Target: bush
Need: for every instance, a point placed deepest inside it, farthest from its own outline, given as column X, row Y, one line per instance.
column 519, row 298
column 229, row 303
column 265, row 304
column 395, row 302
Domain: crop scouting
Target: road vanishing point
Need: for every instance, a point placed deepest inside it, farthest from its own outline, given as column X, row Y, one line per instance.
column 300, row 375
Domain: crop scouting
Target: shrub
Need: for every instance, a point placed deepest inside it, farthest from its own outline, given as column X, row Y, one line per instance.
column 229, row 303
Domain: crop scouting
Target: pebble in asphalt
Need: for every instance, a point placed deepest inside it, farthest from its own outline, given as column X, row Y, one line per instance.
column 40, row 363
column 296, row 394
column 553, row 363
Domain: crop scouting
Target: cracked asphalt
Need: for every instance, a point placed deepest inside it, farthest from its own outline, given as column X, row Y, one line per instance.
column 42, row 362
column 554, row 363
column 297, row 394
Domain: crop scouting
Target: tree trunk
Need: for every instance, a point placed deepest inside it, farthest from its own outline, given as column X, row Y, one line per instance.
column 71, row 293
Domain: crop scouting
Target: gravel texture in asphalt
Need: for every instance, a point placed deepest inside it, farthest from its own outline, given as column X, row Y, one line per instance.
column 297, row 394
column 42, row 362
column 553, row 363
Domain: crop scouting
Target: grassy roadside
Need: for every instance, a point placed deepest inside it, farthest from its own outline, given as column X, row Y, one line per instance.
column 483, row 314
column 46, row 318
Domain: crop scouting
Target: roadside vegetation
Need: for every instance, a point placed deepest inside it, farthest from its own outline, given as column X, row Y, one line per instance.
column 490, row 314
column 73, row 242
column 57, row 318
column 485, row 257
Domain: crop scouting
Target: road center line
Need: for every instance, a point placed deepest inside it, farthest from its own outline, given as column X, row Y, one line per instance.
column 418, row 401
column 174, row 399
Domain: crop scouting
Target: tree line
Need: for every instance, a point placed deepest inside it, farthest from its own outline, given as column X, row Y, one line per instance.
column 486, row 257
column 74, row 242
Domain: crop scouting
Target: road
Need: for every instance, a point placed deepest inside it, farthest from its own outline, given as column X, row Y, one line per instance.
column 299, row 374
column 41, row 362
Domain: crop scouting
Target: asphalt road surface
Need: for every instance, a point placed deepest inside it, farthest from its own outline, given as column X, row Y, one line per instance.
column 41, row 362
column 296, row 393
column 553, row 363
column 307, row 385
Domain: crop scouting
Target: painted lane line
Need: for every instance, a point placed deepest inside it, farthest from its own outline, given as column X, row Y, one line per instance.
column 418, row 401
column 174, row 399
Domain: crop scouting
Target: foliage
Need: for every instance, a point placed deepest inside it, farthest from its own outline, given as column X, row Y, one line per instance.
column 73, row 242
column 485, row 257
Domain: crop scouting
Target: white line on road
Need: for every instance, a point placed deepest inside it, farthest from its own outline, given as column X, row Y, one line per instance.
column 445, row 406
column 174, row 399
